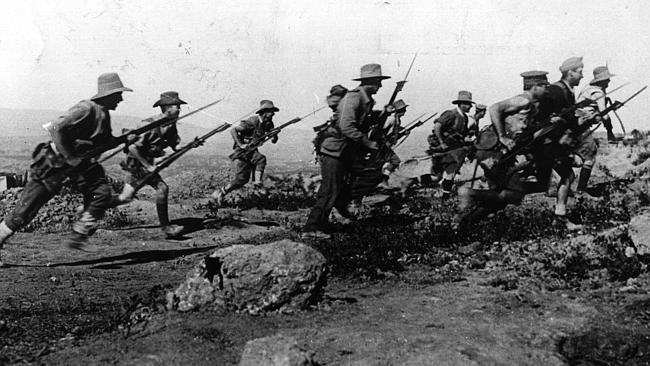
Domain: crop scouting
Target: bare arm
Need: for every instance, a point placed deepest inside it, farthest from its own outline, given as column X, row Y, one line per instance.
column 500, row 110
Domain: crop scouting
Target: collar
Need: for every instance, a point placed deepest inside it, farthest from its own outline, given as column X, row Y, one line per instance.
column 460, row 111
column 365, row 98
column 569, row 87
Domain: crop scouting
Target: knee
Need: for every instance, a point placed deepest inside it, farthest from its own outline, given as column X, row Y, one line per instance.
column 163, row 190
column 102, row 196
column 260, row 164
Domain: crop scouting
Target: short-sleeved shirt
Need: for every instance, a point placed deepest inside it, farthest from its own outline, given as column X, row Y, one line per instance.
column 152, row 144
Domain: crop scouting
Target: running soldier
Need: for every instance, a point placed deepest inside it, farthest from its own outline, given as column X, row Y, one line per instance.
column 85, row 126
column 448, row 142
column 140, row 160
column 248, row 162
column 587, row 146
column 342, row 151
column 561, row 98
column 513, row 120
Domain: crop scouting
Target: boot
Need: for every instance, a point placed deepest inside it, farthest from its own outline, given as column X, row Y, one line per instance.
column 257, row 178
column 5, row 233
column 583, row 178
column 611, row 138
column 170, row 230
column 446, row 186
column 218, row 196
column 126, row 195
column 79, row 241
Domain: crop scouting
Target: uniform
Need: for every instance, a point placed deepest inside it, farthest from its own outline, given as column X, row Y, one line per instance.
column 149, row 146
column 253, row 127
column 341, row 152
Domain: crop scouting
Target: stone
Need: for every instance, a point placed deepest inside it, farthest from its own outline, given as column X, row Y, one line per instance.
column 639, row 232
column 277, row 350
column 281, row 276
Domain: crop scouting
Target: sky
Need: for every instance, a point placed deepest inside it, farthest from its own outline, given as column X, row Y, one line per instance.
column 292, row 52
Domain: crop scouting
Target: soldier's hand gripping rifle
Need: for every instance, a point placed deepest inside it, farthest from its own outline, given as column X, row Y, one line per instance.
column 597, row 118
column 159, row 120
column 554, row 129
column 405, row 133
column 377, row 131
column 198, row 141
column 259, row 141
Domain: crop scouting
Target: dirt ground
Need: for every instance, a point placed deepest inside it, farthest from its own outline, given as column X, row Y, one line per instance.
column 62, row 307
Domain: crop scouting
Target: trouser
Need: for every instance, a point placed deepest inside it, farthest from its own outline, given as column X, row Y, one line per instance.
column 474, row 205
column 91, row 182
column 587, row 149
column 334, row 190
column 245, row 167
column 549, row 157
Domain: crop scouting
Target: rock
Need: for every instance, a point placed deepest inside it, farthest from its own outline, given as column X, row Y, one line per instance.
column 277, row 350
column 639, row 232
column 283, row 276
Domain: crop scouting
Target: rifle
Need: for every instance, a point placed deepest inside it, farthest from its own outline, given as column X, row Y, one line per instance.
column 616, row 105
column 608, row 100
column 198, row 141
column 377, row 129
column 259, row 141
column 159, row 120
column 404, row 134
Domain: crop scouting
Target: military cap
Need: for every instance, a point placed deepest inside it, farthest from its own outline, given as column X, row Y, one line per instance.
column 463, row 97
column 338, row 90
column 601, row 73
column 371, row 71
column 571, row 63
column 169, row 98
column 399, row 105
column 109, row 83
column 532, row 78
column 266, row 105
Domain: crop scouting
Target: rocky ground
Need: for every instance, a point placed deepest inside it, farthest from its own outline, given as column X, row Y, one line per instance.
column 403, row 288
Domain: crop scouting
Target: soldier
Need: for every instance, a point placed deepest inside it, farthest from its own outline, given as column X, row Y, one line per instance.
column 343, row 149
column 85, row 126
column 587, row 146
column 561, row 97
column 394, row 125
column 140, row 160
column 448, row 139
column 474, row 120
column 512, row 119
column 252, row 163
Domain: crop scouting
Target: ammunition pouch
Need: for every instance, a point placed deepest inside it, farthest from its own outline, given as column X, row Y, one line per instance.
column 48, row 167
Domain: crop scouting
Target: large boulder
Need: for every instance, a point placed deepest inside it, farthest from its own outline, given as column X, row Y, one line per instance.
column 639, row 232
column 282, row 275
column 277, row 350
